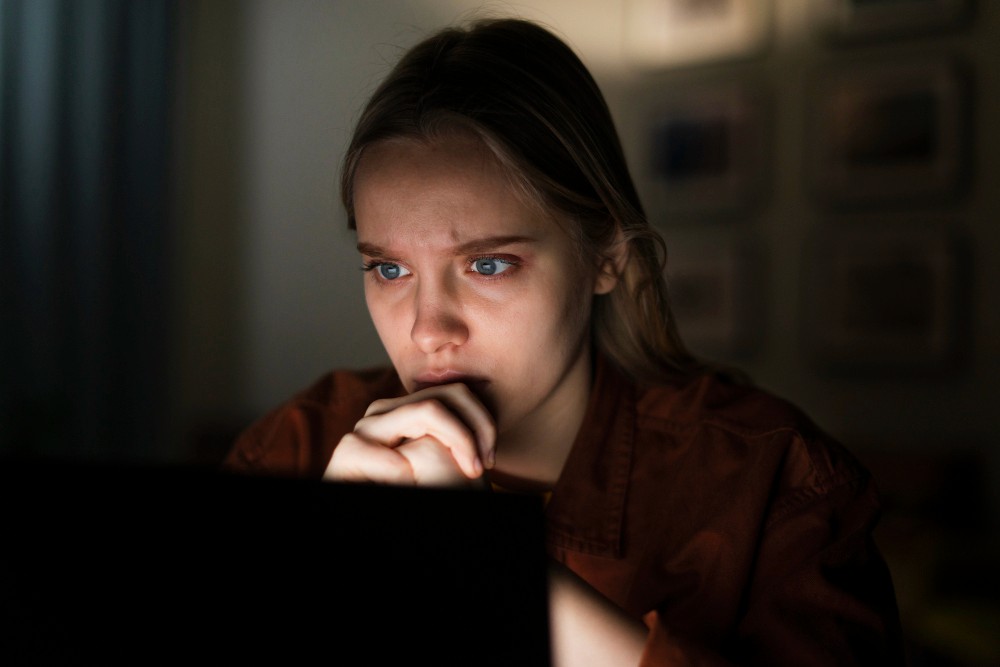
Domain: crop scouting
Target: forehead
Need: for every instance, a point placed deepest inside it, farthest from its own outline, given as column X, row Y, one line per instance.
column 449, row 189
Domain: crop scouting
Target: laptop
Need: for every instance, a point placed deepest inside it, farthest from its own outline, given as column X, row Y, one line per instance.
column 127, row 564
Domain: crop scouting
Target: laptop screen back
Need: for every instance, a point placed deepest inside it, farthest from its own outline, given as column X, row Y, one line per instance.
column 126, row 564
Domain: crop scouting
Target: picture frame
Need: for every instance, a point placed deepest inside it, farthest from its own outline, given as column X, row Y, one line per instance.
column 715, row 294
column 889, row 133
column 666, row 34
column 853, row 21
column 708, row 152
column 884, row 299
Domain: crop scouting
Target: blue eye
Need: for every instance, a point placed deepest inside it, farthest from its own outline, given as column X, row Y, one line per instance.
column 490, row 266
column 389, row 271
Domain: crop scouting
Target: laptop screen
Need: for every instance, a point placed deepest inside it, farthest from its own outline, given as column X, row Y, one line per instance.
column 127, row 564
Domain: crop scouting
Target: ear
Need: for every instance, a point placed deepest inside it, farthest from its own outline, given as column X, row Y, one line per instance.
column 612, row 264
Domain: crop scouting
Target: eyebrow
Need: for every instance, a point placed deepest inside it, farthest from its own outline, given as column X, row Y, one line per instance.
column 473, row 246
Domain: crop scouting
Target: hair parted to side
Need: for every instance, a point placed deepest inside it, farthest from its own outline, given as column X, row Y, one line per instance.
column 538, row 110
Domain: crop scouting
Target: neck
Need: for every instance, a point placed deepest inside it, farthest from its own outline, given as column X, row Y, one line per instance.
column 531, row 456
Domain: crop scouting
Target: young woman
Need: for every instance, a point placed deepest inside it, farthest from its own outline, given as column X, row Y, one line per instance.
column 517, row 287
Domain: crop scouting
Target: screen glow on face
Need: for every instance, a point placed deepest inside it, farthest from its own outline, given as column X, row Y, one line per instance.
column 464, row 280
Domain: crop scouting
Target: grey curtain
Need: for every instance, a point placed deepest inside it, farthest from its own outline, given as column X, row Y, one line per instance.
column 84, row 157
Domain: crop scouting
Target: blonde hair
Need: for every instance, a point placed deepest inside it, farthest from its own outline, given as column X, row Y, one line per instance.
column 537, row 108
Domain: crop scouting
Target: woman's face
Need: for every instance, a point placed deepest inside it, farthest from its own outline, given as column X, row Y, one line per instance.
column 466, row 283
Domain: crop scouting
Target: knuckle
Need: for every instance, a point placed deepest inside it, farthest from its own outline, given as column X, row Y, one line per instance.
column 378, row 406
column 399, row 470
column 471, row 395
column 428, row 410
column 359, row 428
column 435, row 409
column 462, row 392
column 350, row 442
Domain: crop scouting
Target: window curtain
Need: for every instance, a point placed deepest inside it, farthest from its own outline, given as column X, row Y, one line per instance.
column 84, row 157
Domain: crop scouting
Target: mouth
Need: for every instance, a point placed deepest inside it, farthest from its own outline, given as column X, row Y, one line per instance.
column 435, row 378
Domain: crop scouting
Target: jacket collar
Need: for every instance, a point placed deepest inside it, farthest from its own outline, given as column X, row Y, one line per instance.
column 587, row 506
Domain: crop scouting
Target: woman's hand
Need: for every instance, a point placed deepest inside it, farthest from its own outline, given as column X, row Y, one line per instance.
column 439, row 436
column 587, row 628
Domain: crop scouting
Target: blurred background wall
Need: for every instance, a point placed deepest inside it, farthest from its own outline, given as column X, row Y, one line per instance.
column 268, row 293
column 824, row 171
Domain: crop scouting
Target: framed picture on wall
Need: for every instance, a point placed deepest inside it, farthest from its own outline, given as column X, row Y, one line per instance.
column 843, row 21
column 888, row 133
column 661, row 34
column 714, row 294
column 881, row 298
column 708, row 152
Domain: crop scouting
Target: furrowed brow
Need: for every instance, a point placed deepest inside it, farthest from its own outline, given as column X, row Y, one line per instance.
column 372, row 250
column 489, row 243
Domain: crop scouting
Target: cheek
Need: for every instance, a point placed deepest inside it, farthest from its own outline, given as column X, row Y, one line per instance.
column 549, row 319
column 572, row 292
column 575, row 320
column 385, row 316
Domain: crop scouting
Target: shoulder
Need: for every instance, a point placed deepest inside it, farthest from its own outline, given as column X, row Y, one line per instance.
column 712, row 400
column 298, row 436
column 743, row 436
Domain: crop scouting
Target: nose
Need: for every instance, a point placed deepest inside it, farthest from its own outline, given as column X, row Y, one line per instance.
column 438, row 323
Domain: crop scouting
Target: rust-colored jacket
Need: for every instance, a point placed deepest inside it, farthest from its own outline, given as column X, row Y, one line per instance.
column 716, row 512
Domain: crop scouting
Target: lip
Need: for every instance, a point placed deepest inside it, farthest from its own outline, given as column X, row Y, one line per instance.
column 432, row 378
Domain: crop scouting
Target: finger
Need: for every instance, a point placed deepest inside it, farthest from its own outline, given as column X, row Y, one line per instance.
column 432, row 463
column 429, row 417
column 461, row 400
column 464, row 403
column 358, row 460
